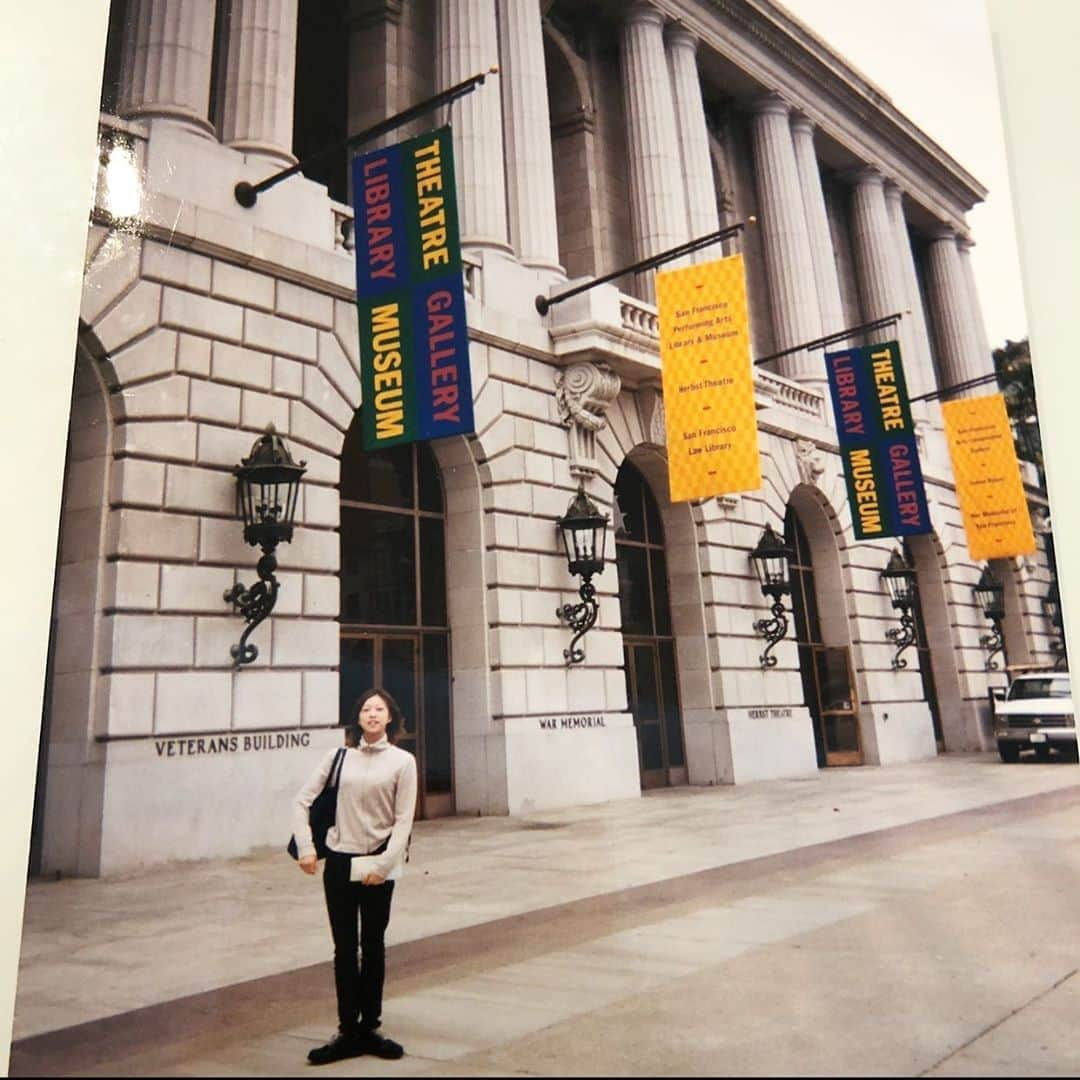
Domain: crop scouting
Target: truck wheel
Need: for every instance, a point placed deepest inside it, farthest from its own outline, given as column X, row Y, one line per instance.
column 1010, row 752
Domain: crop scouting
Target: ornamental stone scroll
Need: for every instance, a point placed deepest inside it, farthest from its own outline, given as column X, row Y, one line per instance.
column 583, row 393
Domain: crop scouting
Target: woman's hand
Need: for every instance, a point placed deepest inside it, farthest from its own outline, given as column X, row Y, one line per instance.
column 372, row 879
column 308, row 864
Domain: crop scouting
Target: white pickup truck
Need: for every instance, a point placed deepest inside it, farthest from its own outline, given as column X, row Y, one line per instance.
column 1036, row 714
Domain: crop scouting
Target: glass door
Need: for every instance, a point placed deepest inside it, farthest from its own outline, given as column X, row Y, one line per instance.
column 648, row 644
column 828, row 685
column 654, row 703
column 394, row 630
column 837, row 710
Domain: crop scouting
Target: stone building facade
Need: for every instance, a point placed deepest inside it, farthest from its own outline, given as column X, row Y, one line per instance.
column 613, row 131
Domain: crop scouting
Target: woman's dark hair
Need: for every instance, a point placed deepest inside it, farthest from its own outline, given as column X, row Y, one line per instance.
column 353, row 731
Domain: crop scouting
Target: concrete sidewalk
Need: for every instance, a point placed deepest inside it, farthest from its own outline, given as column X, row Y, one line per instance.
column 95, row 949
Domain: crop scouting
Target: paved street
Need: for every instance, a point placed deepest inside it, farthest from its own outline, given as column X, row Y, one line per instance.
column 914, row 920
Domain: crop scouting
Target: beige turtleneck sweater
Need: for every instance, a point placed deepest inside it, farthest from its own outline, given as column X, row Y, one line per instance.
column 376, row 799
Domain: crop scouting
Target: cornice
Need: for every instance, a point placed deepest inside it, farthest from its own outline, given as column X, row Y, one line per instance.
column 778, row 51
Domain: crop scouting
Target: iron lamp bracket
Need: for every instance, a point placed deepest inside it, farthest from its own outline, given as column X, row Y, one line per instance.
column 254, row 604
column 581, row 618
column 773, row 630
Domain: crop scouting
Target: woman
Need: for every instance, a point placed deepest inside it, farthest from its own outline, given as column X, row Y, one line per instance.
column 375, row 806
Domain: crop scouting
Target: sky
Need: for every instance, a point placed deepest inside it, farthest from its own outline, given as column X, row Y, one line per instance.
column 934, row 60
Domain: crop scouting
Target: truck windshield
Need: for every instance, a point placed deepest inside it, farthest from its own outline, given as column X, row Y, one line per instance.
column 1023, row 689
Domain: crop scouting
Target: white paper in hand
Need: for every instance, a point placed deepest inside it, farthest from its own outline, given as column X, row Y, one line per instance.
column 362, row 865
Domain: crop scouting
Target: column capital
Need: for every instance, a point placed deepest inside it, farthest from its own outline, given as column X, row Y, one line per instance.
column 863, row 176
column 679, row 37
column 964, row 242
column 771, row 102
column 943, row 232
column 893, row 191
column 364, row 13
column 802, row 123
column 641, row 11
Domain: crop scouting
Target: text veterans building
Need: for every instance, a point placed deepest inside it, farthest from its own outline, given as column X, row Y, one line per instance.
column 433, row 565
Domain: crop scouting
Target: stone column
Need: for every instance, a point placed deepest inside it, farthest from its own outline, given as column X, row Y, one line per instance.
column 467, row 43
column 168, row 45
column 789, row 264
column 373, row 27
column 817, row 227
column 915, row 341
column 657, row 194
column 260, row 73
column 530, row 181
column 964, row 245
column 950, row 311
column 873, row 242
column 702, row 215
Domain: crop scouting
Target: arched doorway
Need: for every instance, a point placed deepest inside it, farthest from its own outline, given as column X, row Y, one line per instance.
column 394, row 625
column 648, row 642
column 66, row 830
column 827, row 676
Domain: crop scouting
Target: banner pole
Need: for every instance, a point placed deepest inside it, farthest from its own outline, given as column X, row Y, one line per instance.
column 545, row 303
column 247, row 194
column 957, row 388
column 839, row 335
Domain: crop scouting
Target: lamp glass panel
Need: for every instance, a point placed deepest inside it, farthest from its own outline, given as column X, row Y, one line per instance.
column 292, row 496
column 600, row 543
column 760, row 570
column 777, row 569
column 899, row 588
column 245, row 496
column 990, row 600
column 890, row 586
column 580, row 544
column 568, row 543
column 903, row 589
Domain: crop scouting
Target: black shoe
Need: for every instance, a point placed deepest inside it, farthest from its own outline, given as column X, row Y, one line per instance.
column 342, row 1045
column 381, row 1047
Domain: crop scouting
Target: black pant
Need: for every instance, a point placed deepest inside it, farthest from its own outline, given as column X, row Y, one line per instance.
column 359, row 984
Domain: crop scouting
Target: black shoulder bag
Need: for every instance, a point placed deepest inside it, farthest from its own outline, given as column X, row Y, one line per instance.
column 323, row 811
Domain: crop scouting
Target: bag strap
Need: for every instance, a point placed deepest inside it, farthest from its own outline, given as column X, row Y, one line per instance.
column 334, row 778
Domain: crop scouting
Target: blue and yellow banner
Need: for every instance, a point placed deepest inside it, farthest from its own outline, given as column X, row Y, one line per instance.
column 414, row 343
column 877, row 442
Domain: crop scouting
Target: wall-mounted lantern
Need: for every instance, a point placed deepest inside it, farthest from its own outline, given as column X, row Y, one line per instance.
column 990, row 596
column 899, row 580
column 584, row 533
column 772, row 564
column 1052, row 609
column 268, row 484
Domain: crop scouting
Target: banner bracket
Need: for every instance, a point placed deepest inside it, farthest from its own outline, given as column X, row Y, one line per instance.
column 958, row 388
column 247, row 194
column 545, row 303
column 840, row 335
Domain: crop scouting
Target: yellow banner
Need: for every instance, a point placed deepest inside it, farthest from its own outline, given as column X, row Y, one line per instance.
column 988, row 483
column 712, row 436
